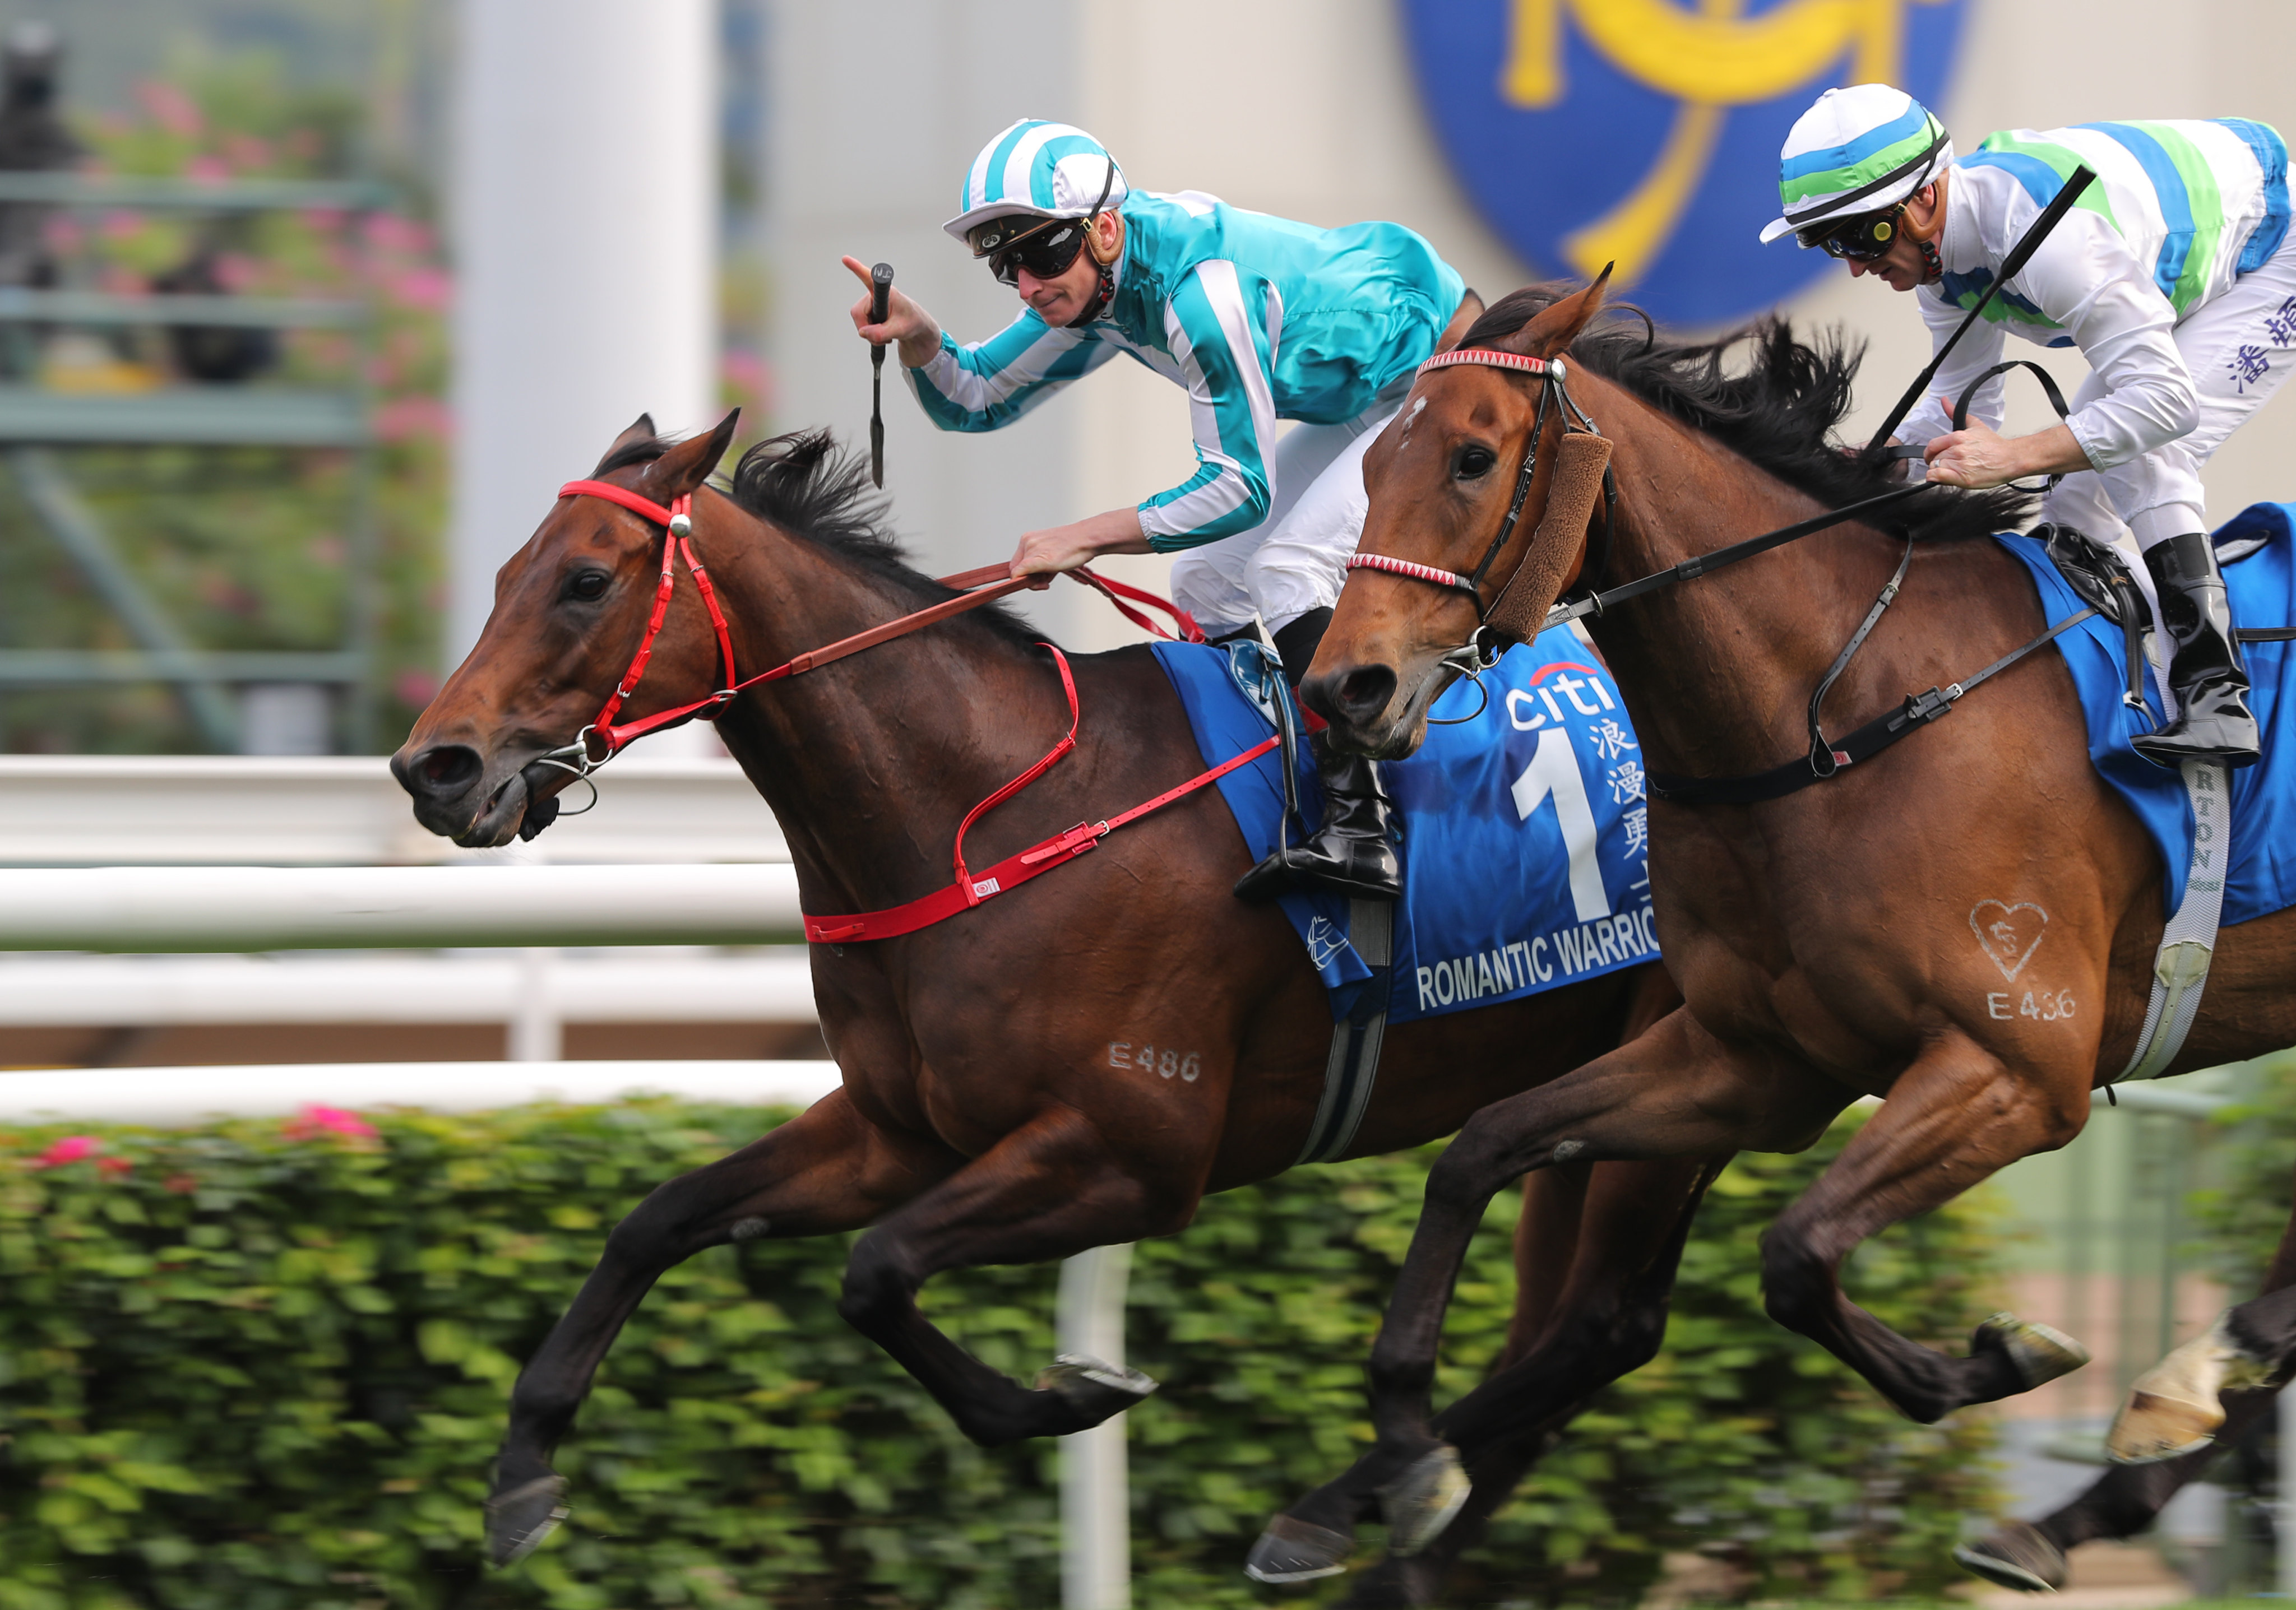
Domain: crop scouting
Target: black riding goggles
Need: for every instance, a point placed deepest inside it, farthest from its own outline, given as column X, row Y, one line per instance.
column 1045, row 247
column 1860, row 239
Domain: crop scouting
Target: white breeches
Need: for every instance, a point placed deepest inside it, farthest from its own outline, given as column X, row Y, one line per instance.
column 1296, row 559
column 2239, row 349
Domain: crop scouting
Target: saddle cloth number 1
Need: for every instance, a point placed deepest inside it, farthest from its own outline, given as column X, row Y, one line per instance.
column 1553, row 774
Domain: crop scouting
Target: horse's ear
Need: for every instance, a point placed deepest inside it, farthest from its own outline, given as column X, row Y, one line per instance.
column 685, row 467
column 641, row 431
column 1559, row 322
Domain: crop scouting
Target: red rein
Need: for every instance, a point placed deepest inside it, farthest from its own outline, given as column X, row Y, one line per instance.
column 979, row 587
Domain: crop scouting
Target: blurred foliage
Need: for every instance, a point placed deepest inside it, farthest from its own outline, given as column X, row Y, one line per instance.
column 262, row 1365
column 2244, row 1214
column 245, row 548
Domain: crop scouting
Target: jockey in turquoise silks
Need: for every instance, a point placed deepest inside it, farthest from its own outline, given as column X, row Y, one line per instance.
column 2175, row 274
column 1259, row 319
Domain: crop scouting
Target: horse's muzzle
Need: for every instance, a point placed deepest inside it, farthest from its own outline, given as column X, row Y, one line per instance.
column 1365, row 716
column 449, row 783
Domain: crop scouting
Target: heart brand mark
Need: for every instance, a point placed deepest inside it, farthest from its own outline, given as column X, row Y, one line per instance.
column 2009, row 934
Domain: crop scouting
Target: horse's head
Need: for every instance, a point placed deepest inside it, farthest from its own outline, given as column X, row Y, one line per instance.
column 570, row 608
column 1440, row 478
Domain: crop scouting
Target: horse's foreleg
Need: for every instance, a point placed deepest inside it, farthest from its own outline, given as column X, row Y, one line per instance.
column 1952, row 1119
column 1051, row 1189
column 2030, row 1555
column 1675, row 1092
column 1595, row 1261
column 827, row 1170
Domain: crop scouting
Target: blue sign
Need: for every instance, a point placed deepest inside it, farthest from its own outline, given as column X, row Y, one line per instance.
column 1646, row 132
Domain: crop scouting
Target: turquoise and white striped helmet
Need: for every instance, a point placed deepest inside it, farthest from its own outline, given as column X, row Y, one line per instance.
column 1048, row 171
column 1858, row 151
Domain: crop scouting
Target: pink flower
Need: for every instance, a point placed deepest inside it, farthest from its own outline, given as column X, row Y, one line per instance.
column 415, row 689
column 394, row 231
column 208, row 170
column 315, row 1120
column 423, row 288
column 169, row 107
column 411, row 416
column 113, row 1166
column 71, row 1149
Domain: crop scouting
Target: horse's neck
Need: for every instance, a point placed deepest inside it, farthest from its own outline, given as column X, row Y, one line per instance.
column 1720, row 669
column 870, row 762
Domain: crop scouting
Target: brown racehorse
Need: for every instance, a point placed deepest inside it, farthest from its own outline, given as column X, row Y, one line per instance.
column 995, row 1108
column 1822, row 940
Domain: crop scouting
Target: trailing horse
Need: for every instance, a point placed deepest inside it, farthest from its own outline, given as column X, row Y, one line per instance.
column 995, row 1108
column 1827, row 940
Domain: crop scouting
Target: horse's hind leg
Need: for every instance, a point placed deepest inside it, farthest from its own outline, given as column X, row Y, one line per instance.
column 2030, row 1555
column 1596, row 1253
column 827, row 1170
column 1051, row 1189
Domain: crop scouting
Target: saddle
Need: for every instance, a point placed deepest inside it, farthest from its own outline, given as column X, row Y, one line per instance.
column 2096, row 572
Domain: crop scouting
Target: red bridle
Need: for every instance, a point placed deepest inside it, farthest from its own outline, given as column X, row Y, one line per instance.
column 984, row 585
column 978, row 587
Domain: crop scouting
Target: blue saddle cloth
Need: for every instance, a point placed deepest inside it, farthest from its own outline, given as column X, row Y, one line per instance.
column 2261, row 576
column 1523, row 829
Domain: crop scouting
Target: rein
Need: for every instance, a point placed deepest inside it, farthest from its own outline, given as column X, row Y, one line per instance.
column 976, row 587
column 1825, row 758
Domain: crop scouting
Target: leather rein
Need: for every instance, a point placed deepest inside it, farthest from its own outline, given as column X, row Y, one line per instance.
column 977, row 587
column 1826, row 757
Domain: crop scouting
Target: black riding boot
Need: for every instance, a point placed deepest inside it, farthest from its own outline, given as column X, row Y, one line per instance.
column 1353, row 849
column 2212, row 717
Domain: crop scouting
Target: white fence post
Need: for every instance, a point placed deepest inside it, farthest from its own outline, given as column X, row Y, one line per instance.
column 536, row 1032
column 1096, row 1499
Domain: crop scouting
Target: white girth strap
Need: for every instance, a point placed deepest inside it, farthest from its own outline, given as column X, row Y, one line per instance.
column 2188, row 943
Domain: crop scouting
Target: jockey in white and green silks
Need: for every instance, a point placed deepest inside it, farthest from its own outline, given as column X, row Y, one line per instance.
column 1259, row 319
column 2175, row 276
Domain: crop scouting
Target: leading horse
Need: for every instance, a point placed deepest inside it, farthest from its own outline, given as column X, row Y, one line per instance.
column 1832, row 943
column 998, row 1104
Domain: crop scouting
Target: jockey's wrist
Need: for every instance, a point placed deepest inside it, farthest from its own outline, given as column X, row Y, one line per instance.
column 922, row 345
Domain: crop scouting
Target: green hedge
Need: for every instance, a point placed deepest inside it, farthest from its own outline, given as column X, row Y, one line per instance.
column 264, row 1365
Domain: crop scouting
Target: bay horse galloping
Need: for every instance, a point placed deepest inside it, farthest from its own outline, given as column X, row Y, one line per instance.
column 1828, row 942
column 995, row 1108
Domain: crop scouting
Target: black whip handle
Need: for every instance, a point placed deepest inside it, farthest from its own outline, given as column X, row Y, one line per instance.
column 2011, row 267
column 880, row 300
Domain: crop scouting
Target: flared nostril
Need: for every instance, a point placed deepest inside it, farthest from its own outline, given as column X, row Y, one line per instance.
column 1363, row 692
column 446, row 768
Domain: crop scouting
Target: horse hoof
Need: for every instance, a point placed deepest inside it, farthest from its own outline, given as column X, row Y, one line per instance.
column 2041, row 1352
column 1418, row 1504
column 2016, row 1556
column 518, row 1520
column 1093, row 1389
column 1297, row 1551
column 2150, row 1429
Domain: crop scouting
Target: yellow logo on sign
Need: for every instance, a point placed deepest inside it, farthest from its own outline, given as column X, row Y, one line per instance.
column 1710, row 60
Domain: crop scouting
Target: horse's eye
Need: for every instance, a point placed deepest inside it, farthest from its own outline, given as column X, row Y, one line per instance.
column 588, row 585
column 1472, row 461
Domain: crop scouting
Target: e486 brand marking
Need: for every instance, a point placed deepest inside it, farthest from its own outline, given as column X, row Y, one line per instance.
column 1166, row 1062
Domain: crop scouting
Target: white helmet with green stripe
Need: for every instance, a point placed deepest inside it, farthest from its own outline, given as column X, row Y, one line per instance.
column 1038, row 169
column 1860, row 150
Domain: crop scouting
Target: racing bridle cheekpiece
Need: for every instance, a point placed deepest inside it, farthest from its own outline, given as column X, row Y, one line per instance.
column 1582, row 473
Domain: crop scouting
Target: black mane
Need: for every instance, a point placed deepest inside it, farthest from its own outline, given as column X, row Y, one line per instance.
column 1779, row 410
column 804, row 485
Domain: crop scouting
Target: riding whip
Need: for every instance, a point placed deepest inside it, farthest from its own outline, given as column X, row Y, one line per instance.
column 881, row 283
column 2011, row 266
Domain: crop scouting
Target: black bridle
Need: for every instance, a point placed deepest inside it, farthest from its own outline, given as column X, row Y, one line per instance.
column 1496, row 631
